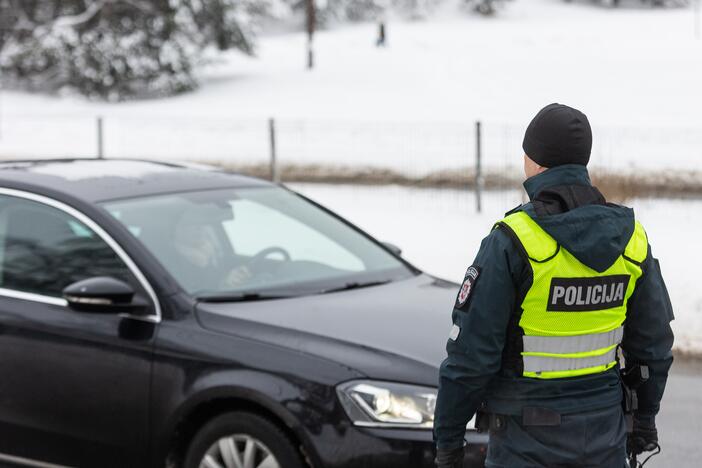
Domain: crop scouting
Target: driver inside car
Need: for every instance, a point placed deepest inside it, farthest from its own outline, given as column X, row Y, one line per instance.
column 203, row 253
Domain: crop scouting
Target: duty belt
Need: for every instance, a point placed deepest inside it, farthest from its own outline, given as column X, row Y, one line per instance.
column 531, row 416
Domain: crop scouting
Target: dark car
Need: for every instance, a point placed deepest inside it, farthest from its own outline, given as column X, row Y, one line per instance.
column 156, row 314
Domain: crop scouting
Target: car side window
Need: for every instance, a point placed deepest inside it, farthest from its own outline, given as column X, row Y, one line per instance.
column 43, row 249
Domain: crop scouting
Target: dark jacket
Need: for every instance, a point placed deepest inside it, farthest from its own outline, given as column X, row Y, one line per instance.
column 482, row 365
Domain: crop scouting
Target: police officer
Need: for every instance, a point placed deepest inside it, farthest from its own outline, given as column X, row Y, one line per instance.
column 558, row 287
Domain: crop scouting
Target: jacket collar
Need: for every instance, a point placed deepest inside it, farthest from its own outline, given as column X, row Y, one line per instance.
column 568, row 174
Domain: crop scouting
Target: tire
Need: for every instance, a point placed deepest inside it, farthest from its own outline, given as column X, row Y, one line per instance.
column 242, row 431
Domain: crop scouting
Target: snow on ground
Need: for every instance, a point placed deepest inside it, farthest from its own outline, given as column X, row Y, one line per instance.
column 637, row 72
column 440, row 232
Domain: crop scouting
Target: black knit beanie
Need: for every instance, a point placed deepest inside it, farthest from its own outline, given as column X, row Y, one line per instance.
column 558, row 135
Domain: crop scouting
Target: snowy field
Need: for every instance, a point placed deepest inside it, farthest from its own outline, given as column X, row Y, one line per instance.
column 440, row 232
column 636, row 71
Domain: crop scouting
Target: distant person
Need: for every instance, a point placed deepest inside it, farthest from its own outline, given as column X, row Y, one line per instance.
column 558, row 287
column 382, row 33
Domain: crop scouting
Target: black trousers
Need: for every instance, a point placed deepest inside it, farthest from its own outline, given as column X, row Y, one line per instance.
column 591, row 439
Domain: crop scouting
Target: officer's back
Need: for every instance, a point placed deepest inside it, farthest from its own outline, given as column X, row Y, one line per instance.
column 558, row 286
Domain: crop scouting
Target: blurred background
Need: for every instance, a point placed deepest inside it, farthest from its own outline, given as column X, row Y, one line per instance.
column 405, row 116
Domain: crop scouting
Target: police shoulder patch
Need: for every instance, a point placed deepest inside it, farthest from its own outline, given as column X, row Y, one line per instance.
column 469, row 280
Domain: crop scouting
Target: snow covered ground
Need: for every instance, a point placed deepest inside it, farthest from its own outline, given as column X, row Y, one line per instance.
column 637, row 72
column 440, row 232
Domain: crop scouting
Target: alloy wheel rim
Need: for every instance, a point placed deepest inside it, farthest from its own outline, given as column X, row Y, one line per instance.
column 239, row 451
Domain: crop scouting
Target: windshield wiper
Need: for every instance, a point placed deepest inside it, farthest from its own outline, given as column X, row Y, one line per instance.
column 263, row 296
column 355, row 285
column 242, row 297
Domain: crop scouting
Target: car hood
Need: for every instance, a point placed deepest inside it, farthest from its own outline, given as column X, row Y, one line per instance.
column 396, row 331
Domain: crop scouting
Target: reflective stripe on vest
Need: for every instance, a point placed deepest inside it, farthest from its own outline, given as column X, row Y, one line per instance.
column 539, row 364
column 572, row 344
column 572, row 316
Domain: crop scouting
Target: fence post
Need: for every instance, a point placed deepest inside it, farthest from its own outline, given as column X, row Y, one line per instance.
column 275, row 175
column 100, row 140
column 478, row 166
column 311, row 14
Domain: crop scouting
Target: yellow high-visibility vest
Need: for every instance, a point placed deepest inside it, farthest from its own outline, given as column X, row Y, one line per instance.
column 572, row 315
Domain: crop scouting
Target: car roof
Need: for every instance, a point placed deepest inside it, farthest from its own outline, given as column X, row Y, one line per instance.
column 96, row 180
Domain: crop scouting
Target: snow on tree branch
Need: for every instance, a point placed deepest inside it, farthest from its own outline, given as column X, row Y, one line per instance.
column 92, row 10
column 118, row 49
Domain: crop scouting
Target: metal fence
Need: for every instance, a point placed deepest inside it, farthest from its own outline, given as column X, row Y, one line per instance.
column 470, row 155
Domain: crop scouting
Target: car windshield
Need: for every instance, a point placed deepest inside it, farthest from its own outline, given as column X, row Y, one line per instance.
column 254, row 243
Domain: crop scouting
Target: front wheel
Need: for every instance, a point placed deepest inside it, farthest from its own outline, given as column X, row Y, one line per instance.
column 242, row 440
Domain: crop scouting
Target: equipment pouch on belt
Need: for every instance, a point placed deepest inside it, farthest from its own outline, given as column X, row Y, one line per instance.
column 632, row 378
column 485, row 421
column 482, row 421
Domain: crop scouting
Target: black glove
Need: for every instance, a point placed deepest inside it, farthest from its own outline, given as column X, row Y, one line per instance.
column 644, row 437
column 452, row 458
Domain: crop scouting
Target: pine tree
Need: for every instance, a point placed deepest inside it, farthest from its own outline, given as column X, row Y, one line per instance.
column 118, row 49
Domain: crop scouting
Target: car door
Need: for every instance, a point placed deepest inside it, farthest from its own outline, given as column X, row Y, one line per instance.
column 74, row 386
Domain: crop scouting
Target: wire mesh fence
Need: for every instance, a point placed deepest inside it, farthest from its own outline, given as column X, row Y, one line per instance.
column 133, row 136
column 425, row 154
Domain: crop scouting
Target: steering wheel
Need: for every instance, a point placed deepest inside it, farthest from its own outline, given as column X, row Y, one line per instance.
column 260, row 256
column 250, row 273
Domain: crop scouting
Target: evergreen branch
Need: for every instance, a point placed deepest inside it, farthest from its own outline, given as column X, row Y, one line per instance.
column 90, row 12
column 74, row 20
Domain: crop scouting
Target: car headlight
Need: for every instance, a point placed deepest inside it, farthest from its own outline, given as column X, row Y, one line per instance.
column 386, row 404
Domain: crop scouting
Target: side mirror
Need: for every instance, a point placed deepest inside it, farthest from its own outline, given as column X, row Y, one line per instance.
column 103, row 294
column 393, row 248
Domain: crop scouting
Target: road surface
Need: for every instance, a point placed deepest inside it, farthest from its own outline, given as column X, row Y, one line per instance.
column 680, row 420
